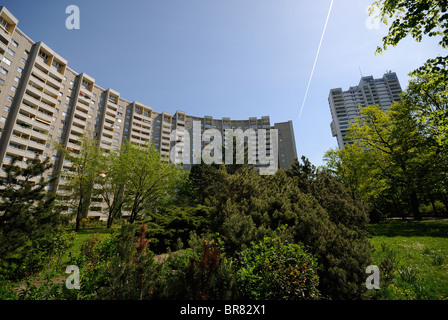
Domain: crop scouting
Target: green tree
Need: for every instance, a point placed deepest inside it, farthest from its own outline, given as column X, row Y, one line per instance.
column 27, row 213
column 417, row 19
column 150, row 179
column 392, row 140
column 111, row 184
column 81, row 176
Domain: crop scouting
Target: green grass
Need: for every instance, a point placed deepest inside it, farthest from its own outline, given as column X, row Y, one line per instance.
column 413, row 259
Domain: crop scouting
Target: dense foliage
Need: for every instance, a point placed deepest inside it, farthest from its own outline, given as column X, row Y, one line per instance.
column 29, row 234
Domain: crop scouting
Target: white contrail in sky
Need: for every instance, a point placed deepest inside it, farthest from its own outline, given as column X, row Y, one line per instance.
column 315, row 60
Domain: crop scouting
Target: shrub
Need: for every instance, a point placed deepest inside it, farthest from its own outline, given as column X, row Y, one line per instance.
column 272, row 269
column 201, row 272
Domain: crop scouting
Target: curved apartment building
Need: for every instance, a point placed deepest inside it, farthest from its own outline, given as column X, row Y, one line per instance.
column 43, row 100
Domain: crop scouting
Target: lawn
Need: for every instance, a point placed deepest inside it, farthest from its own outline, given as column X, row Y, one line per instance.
column 413, row 259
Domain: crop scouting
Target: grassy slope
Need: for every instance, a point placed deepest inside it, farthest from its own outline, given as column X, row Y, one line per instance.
column 418, row 259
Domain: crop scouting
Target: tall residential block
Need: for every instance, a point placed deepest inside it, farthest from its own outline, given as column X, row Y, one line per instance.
column 43, row 102
column 344, row 105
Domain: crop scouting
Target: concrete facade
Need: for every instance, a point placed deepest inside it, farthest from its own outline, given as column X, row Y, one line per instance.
column 344, row 105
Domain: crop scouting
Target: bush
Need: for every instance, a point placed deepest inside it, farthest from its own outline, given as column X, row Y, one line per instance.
column 318, row 211
column 272, row 269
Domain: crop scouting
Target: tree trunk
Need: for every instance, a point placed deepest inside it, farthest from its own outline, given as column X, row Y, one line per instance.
column 414, row 205
column 445, row 202
column 434, row 208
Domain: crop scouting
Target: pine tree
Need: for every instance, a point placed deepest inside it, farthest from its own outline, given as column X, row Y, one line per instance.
column 27, row 212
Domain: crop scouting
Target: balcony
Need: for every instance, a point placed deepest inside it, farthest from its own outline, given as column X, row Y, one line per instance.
column 42, row 64
column 19, row 141
column 28, row 109
column 36, row 145
column 39, row 82
column 17, row 152
column 42, row 126
column 84, row 99
column 106, row 140
column 47, row 107
column 20, row 164
column 28, row 99
column 3, row 47
column 77, row 130
column 79, row 122
column 138, row 141
column 82, row 108
column 113, row 100
column 49, row 99
column 105, row 146
column 109, row 126
column 73, row 146
column 111, row 107
column 39, row 135
column 109, row 118
column 5, row 34
column 34, row 90
column 54, row 82
column 85, row 91
column 52, row 91
column 38, row 73
column 55, row 73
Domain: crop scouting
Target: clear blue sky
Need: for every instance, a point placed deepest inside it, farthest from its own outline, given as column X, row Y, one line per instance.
column 236, row 58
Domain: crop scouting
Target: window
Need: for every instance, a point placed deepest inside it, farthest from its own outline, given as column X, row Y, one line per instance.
column 11, row 52
column 13, row 89
column 6, row 108
column 16, row 79
column 44, row 56
column 4, row 23
column 23, row 61
column 57, row 65
column 7, row 61
column 4, row 71
column 14, row 43
column 19, row 70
